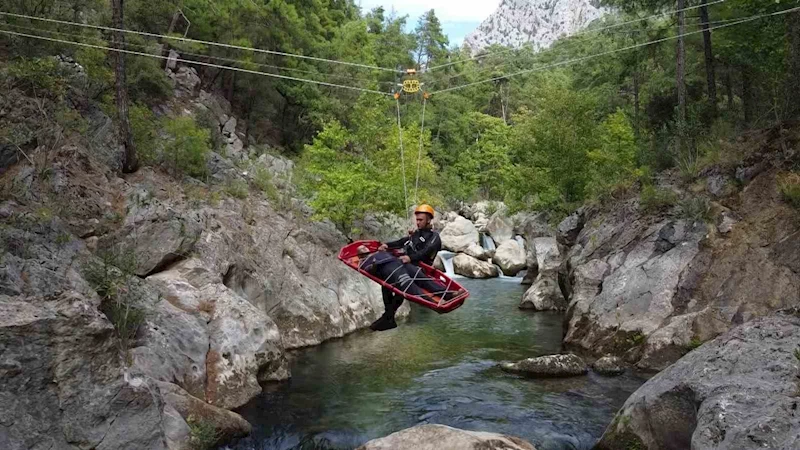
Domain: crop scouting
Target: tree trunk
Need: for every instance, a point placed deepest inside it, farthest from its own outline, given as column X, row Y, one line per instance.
column 711, row 76
column 747, row 95
column 680, row 75
column 793, row 31
column 130, row 162
column 729, row 87
column 636, row 106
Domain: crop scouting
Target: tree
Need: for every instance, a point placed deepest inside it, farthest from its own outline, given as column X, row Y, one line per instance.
column 431, row 41
column 680, row 75
column 793, row 32
column 711, row 77
column 130, row 162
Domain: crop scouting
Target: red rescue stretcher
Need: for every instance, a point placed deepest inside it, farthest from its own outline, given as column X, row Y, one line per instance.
column 349, row 255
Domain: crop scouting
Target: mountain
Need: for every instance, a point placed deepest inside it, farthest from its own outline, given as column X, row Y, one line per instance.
column 540, row 22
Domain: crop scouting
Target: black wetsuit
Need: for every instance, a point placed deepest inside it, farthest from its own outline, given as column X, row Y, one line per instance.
column 421, row 246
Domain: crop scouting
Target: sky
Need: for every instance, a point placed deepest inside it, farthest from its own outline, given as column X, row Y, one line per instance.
column 458, row 17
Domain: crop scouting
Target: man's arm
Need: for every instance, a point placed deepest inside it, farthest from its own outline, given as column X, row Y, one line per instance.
column 400, row 243
column 432, row 246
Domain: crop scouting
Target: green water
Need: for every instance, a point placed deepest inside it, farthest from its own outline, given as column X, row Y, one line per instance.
column 437, row 369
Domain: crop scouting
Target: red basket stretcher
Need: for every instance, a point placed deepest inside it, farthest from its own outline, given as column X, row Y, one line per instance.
column 349, row 255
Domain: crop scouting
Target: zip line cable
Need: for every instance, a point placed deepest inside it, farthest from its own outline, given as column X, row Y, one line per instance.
column 199, row 55
column 200, row 63
column 419, row 153
column 196, row 41
column 593, row 30
column 402, row 158
column 611, row 52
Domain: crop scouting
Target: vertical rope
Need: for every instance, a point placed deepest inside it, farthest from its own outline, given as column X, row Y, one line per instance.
column 402, row 159
column 419, row 153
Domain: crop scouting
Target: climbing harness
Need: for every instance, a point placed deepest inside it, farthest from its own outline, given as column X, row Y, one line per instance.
column 432, row 300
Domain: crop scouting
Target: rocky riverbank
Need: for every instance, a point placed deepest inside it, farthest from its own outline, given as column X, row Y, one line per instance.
column 146, row 307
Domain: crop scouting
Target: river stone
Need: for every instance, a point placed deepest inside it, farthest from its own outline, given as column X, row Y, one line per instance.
column 738, row 391
column 510, row 256
column 474, row 268
column 544, row 295
column 556, row 366
column 440, row 437
column 458, row 235
column 609, row 365
column 500, row 228
column 476, row 251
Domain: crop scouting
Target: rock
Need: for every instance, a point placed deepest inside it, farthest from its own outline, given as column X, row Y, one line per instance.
column 726, row 222
column 235, row 147
column 229, row 129
column 476, row 251
column 7, row 209
column 172, row 59
column 458, row 235
column 382, row 227
column 532, row 225
column 746, row 174
column 474, row 268
column 546, row 253
column 737, row 391
column 219, row 107
column 609, row 366
column 719, row 185
column 544, row 295
column 500, row 228
column 569, row 228
column 440, row 437
column 556, row 366
column 186, row 81
column 510, row 256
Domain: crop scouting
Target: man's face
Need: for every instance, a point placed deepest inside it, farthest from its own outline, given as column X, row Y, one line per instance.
column 423, row 220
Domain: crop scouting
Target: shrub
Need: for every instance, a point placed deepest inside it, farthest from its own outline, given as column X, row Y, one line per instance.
column 188, row 149
column 237, row 189
column 143, row 127
column 694, row 343
column 41, row 75
column 263, row 181
column 789, row 186
column 696, row 209
column 147, row 81
column 203, row 434
column 655, row 199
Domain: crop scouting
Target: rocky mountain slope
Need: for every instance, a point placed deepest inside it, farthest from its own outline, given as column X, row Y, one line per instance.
column 538, row 22
column 146, row 307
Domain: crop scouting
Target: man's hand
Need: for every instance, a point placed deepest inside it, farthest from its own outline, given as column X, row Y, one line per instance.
column 405, row 259
column 383, row 248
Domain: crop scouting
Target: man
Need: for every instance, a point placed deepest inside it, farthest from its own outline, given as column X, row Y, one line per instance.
column 420, row 246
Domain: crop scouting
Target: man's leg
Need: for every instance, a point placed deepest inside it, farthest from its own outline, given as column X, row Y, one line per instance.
column 421, row 279
column 388, row 311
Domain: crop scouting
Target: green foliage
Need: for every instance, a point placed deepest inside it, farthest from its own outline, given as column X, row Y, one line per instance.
column 614, row 159
column 694, row 343
column 147, row 81
column 38, row 76
column 111, row 278
column 204, row 435
column 653, row 199
column 262, row 180
column 144, row 129
column 696, row 209
column 237, row 189
column 187, row 150
column 789, row 186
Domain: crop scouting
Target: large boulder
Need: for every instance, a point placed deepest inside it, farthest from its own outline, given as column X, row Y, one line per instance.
column 738, row 391
column 476, row 251
column 569, row 228
column 500, row 227
column 474, row 268
column 459, row 234
column 544, row 295
column 440, row 437
column 556, row 366
column 609, row 366
column 510, row 256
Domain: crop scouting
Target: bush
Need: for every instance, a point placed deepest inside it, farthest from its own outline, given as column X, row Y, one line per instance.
column 237, row 189
column 188, row 150
column 654, row 199
column 147, row 81
column 204, row 435
column 789, row 186
column 40, row 75
column 143, row 127
column 696, row 209
column 263, row 181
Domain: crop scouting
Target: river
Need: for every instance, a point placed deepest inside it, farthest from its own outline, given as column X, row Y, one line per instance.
column 437, row 369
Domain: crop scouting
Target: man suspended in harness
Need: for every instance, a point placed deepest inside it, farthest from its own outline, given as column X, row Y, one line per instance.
column 403, row 272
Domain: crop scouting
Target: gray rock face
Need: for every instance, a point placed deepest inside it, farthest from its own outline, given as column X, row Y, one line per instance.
column 439, row 437
column 500, row 228
column 549, row 366
column 459, row 234
column 474, row 268
column 510, row 256
column 737, row 391
column 570, row 227
column 609, row 365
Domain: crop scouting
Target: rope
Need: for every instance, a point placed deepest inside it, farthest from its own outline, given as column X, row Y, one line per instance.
column 610, row 52
column 594, row 30
column 200, row 63
column 402, row 159
column 195, row 41
column 199, row 55
column 419, row 153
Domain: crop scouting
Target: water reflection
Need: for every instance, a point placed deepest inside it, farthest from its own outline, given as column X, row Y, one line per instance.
column 436, row 369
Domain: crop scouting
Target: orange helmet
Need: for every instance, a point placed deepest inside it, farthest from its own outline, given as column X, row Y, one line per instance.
column 427, row 209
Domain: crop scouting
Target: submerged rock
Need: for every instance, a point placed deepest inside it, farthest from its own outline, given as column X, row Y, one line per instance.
column 609, row 366
column 549, row 366
column 738, row 391
column 440, row 437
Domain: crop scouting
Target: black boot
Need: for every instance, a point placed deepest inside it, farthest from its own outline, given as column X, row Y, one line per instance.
column 384, row 323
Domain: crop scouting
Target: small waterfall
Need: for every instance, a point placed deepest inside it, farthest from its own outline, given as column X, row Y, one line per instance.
column 447, row 260
column 487, row 242
column 503, row 276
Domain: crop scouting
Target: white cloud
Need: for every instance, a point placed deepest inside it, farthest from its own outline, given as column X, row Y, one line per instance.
column 446, row 10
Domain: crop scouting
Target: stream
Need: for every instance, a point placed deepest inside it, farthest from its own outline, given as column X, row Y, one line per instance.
column 437, row 369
